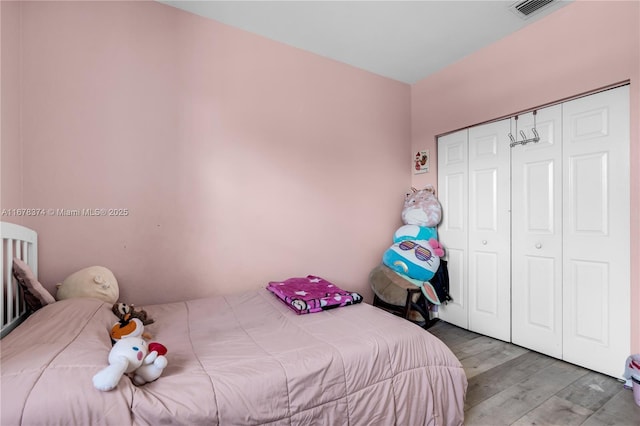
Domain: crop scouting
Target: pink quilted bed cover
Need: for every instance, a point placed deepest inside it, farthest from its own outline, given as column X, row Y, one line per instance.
column 245, row 359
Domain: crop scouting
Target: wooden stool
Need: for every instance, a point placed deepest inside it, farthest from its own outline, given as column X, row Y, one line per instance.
column 398, row 296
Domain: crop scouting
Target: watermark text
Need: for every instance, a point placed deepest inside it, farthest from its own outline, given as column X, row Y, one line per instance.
column 58, row 212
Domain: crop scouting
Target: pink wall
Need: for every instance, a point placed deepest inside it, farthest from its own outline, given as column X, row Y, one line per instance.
column 582, row 47
column 10, row 150
column 240, row 160
column 180, row 120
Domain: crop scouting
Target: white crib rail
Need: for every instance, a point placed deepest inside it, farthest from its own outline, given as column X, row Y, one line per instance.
column 22, row 243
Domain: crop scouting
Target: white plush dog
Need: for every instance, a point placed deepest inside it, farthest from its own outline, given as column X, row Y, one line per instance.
column 131, row 355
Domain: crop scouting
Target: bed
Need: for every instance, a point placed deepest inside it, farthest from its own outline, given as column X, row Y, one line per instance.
column 242, row 359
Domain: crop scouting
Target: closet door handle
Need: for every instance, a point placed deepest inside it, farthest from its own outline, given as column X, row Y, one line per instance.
column 484, row 242
column 538, row 246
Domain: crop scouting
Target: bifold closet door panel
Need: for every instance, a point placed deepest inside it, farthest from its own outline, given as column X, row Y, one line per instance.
column 453, row 193
column 489, row 230
column 536, row 229
column 596, row 242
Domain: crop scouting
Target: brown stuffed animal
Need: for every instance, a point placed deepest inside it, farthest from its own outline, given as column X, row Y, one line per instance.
column 122, row 309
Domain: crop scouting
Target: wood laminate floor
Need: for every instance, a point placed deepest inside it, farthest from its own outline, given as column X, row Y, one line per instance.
column 511, row 385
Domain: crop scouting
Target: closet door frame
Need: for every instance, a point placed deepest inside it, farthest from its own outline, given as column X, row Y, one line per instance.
column 595, row 240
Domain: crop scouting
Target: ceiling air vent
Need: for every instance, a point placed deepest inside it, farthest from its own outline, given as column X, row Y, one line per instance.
column 527, row 8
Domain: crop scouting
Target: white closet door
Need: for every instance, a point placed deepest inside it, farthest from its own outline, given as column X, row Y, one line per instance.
column 596, row 317
column 453, row 194
column 489, row 230
column 536, row 227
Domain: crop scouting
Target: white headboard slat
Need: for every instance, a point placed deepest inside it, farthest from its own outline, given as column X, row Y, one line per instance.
column 21, row 242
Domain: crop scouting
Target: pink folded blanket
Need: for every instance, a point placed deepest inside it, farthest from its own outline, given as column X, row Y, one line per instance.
column 312, row 294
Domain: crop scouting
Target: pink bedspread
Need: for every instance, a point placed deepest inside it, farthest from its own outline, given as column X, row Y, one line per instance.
column 236, row 360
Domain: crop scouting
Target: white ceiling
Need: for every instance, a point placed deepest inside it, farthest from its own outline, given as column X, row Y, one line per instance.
column 402, row 40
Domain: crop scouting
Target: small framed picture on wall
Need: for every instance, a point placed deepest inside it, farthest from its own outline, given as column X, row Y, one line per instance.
column 421, row 162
